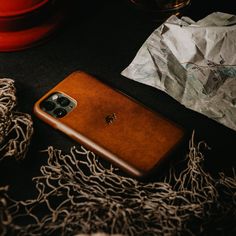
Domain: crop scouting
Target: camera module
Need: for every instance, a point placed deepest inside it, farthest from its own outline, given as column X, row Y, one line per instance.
column 58, row 104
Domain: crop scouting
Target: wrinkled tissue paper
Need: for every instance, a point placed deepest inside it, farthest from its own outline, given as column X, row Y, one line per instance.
column 193, row 62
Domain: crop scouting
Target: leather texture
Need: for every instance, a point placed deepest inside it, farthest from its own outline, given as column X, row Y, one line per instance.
column 114, row 125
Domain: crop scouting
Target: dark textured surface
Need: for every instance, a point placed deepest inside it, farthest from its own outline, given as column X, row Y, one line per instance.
column 101, row 37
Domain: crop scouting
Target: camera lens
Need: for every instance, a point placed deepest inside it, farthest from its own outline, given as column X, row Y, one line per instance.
column 63, row 101
column 48, row 105
column 60, row 112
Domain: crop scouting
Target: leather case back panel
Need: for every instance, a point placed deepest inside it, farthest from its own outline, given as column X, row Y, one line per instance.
column 113, row 125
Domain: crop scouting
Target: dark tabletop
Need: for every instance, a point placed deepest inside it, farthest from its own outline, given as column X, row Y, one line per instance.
column 101, row 37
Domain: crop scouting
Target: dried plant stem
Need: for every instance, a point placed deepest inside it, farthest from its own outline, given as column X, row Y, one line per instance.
column 77, row 195
column 16, row 128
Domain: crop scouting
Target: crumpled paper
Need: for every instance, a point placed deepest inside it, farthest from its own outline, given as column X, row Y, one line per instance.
column 193, row 62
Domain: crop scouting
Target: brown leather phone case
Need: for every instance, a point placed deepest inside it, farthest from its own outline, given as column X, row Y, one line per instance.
column 113, row 125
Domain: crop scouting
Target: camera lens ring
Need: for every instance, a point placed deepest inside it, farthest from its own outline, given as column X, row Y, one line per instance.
column 48, row 105
column 59, row 112
column 63, row 101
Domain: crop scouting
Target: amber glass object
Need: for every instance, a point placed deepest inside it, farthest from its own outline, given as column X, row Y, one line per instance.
column 160, row 9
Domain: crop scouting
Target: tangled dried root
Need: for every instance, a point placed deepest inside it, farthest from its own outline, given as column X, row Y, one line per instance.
column 5, row 216
column 16, row 128
column 77, row 195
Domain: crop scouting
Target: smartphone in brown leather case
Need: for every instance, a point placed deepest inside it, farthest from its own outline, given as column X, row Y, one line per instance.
column 108, row 122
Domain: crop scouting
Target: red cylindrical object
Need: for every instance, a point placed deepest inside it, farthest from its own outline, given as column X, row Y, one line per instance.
column 25, row 23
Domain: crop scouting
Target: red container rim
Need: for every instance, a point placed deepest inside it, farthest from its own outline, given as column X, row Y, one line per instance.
column 27, row 10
